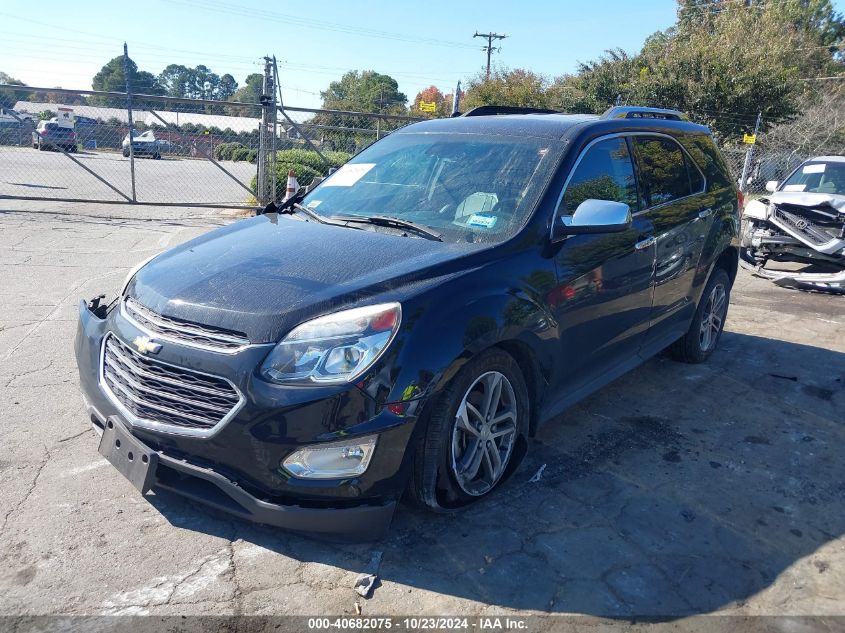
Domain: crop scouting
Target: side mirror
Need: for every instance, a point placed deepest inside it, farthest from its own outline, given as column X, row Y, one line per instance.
column 594, row 216
column 772, row 186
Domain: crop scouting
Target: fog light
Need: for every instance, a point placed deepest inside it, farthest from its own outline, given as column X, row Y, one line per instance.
column 349, row 458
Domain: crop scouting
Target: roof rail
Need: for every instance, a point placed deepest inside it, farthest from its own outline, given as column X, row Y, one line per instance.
column 489, row 110
column 639, row 112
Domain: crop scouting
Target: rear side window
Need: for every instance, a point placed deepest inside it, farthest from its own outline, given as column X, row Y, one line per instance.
column 708, row 158
column 696, row 180
column 605, row 172
column 663, row 170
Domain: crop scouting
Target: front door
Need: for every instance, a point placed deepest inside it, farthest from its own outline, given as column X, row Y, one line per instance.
column 604, row 294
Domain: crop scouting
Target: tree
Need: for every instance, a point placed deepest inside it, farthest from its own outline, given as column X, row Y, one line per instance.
column 227, row 87
column 517, row 87
column 432, row 94
column 819, row 130
column 250, row 92
column 111, row 78
column 176, row 80
column 722, row 62
column 596, row 85
column 367, row 91
column 9, row 96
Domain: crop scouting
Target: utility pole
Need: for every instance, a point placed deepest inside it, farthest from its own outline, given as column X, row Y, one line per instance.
column 266, row 182
column 749, row 155
column 380, row 108
column 489, row 48
column 456, row 100
column 129, row 118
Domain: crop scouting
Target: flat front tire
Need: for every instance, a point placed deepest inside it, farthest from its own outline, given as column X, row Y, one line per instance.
column 473, row 431
column 704, row 332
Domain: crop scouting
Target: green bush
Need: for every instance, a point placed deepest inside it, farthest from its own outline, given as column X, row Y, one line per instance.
column 310, row 158
column 224, row 150
column 304, row 176
column 252, row 155
column 240, row 153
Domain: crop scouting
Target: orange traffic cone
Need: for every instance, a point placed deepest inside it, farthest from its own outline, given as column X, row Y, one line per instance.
column 293, row 186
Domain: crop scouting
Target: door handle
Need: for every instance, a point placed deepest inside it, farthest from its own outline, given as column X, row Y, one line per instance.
column 705, row 213
column 645, row 243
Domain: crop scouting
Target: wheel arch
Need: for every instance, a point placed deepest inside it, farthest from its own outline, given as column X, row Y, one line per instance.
column 729, row 261
column 525, row 358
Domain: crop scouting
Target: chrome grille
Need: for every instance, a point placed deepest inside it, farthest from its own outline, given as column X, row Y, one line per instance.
column 185, row 332
column 807, row 229
column 156, row 393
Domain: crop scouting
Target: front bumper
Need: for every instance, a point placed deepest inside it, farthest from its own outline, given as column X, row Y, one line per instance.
column 788, row 279
column 204, row 485
column 237, row 469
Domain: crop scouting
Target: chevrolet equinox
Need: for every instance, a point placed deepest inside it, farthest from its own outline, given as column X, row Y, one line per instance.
column 404, row 326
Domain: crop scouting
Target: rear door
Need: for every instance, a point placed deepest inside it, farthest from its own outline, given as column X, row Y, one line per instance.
column 673, row 197
column 603, row 300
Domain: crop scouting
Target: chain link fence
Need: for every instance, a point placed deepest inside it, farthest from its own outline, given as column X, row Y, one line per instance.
column 766, row 164
column 76, row 145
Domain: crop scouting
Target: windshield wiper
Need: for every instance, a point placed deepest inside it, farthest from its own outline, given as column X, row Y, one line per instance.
column 287, row 207
column 311, row 214
column 397, row 223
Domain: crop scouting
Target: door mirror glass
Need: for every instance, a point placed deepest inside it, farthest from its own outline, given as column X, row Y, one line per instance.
column 595, row 216
column 772, row 186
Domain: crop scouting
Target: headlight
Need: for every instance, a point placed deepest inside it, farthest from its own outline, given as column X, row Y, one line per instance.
column 335, row 348
column 349, row 458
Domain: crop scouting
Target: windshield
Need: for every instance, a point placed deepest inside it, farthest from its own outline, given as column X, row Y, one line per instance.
column 469, row 188
column 817, row 177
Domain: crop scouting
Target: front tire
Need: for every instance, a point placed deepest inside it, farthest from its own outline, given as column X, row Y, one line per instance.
column 473, row 433
column 704, row 332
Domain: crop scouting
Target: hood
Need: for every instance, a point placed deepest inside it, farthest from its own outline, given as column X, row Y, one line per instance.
column 809, row 200
column 265, row 275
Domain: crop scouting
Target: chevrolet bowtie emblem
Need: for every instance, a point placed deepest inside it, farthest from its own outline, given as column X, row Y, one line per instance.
column 146, row 345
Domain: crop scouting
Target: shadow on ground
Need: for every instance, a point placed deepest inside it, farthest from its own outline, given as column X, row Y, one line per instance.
column 676, row 490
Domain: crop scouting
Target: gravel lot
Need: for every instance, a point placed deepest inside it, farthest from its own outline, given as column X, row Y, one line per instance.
column 27, row 172
column 677, row 490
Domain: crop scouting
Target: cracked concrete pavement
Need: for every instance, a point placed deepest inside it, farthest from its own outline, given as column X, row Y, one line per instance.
column 677, row 490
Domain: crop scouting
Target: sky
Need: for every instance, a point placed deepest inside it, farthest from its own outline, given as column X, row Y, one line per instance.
column 64, row 43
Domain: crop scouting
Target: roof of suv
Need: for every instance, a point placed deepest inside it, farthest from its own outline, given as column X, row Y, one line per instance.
column 553, row 126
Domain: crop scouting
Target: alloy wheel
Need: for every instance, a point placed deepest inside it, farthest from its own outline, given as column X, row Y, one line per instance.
column 712, row 318
column 484, row 433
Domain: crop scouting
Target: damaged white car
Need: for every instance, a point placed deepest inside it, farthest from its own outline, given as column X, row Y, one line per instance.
column 803, row 221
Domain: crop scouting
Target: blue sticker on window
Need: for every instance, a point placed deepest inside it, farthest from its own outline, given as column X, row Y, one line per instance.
column 482, row 221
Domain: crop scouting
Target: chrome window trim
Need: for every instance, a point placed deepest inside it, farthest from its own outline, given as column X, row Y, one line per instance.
column 626, row 135
column 162, row 427
column 171, row 339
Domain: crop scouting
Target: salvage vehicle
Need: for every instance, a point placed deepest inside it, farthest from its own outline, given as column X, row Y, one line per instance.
column 407, row 324
column 143, row 144
column 803, row 221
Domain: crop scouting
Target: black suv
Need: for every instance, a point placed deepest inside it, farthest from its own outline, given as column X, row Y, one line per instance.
column 406, row 325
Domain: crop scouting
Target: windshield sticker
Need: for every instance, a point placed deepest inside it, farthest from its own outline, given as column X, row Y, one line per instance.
column 818, row 168
column 348, row 175
column 313, row 204
column 795, row 187
column 482, row 221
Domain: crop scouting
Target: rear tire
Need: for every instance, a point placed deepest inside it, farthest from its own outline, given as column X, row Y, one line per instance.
column 126, row 153
column 469, row 446
column 704, row 332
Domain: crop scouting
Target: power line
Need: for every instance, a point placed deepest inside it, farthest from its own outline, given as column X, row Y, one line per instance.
column 822, row 78
column 489, row 48
column 311, row 23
